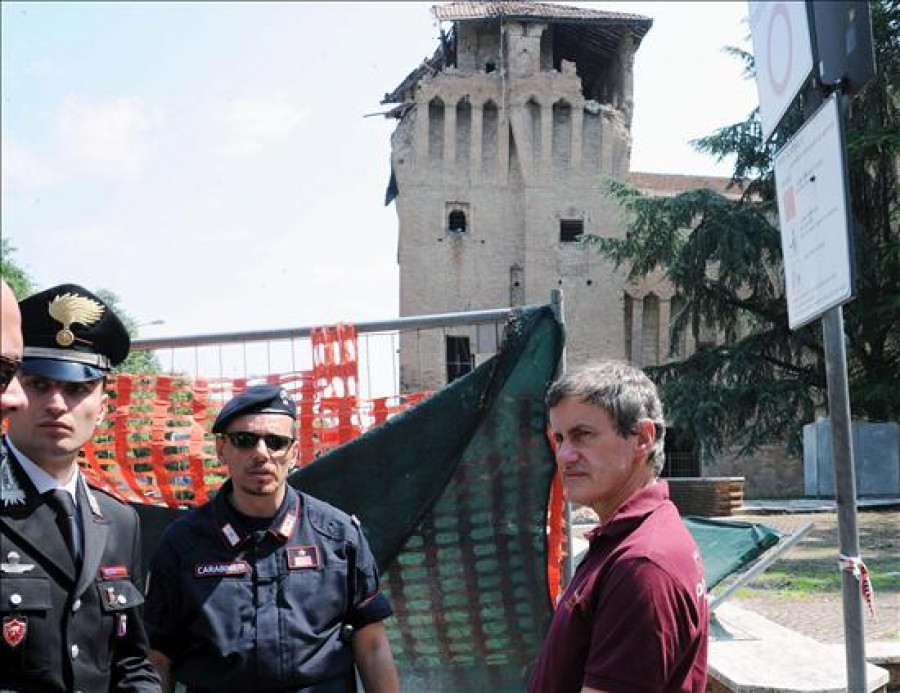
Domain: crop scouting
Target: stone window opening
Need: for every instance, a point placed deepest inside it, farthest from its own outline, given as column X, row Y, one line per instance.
column 489, row 67
column 457, row 216
column 571, row 230
column 456, row 221
column 460, row 359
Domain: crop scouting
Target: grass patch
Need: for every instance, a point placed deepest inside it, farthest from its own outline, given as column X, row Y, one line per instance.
column 816, row 578
column 799, row 584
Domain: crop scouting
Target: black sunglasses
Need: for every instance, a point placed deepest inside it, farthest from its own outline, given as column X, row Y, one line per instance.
column 245, row 440
column 8, row 369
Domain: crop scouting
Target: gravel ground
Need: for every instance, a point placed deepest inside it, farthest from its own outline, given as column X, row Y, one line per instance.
column 819, row 613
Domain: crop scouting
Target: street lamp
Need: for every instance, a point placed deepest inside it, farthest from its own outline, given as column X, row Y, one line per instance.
column 148, row 323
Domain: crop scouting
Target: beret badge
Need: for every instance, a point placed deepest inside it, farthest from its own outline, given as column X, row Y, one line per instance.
column 72, row 308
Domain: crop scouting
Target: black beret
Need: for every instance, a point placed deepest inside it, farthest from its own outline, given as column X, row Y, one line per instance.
column 259, row 399
column 71, row 335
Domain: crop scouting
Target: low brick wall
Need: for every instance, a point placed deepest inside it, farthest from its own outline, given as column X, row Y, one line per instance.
column 717, row 496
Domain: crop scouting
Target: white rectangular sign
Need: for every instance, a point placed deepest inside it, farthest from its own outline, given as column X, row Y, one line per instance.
column 783, row 52
column 812, row 211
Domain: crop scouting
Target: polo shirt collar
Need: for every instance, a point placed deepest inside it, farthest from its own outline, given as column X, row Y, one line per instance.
column 234, row 534
column 633, row 511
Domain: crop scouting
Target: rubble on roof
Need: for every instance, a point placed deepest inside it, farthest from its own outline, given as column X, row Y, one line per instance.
column 591, row 39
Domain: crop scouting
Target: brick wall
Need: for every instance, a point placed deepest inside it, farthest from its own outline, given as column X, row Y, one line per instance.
column 707, row 497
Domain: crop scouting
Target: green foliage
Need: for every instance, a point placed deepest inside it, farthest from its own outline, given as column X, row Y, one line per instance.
column 137, row 361
column 18, row 279
column 23, row 285
column 723, row 257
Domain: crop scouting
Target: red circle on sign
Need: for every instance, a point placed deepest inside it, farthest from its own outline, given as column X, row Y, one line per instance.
column 779, row 84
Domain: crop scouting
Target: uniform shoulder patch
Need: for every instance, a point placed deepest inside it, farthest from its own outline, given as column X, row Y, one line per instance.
column 326, row 519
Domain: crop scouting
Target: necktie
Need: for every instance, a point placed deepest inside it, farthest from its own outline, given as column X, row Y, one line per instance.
column 64, row 504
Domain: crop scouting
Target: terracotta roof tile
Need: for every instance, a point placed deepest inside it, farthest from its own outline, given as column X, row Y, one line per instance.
column 673, row 183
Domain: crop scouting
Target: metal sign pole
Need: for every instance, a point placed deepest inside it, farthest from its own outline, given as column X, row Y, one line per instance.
column 845, row 494
column 838, row 393
column 842, row 458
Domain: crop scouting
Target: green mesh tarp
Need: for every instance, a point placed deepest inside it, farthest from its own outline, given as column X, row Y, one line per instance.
column 453, row 497
column 727, row 546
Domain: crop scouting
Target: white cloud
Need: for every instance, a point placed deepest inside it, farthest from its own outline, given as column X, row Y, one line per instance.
column 110, row 138
column 247, row 125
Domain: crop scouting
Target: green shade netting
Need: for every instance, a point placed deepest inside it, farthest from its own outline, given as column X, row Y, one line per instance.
column 727, row 546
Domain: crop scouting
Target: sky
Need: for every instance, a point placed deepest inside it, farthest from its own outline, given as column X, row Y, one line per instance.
column 217, row 165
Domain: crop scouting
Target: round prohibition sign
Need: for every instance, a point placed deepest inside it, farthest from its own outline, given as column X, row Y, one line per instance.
column 779, row 12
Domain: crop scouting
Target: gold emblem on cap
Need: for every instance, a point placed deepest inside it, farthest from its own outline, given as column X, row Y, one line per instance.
column 70, row 308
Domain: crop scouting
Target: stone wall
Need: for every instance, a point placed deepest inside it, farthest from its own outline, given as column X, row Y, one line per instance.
column 876, row 457
column 769, row 473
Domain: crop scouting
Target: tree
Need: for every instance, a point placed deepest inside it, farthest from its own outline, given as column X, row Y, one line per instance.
column 23, row 285
column 724, row 259
column 18, row 279
column 136, row 361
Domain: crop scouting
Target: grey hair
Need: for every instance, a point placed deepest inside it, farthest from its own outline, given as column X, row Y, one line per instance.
column 622, row 391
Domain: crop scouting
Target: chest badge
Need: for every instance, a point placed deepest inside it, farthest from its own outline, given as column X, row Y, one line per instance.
column 221, row 569
column 113, row 572
column 15, row 628
column 302, row 557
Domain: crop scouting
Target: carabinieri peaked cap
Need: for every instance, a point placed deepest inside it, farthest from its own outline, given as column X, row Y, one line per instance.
column 258, row 399
column 71, row 335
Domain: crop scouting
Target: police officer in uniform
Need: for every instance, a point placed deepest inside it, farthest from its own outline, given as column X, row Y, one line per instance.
column 69, row 555
column 265, row 588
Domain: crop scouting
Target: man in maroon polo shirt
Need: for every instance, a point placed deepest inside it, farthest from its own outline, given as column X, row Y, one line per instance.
column 634, row 617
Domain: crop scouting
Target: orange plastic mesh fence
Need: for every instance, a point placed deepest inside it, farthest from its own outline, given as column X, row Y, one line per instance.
column 335, row 363
column 556, row 538
column 155, row 445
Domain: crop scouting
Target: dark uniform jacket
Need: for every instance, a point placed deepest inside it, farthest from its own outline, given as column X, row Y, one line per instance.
column 62, row 630
column 262, row 609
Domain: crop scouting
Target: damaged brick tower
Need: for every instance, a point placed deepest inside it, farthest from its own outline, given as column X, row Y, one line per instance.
column 504, row 141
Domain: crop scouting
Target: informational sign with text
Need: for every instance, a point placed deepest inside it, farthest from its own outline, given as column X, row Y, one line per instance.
column 812, row 212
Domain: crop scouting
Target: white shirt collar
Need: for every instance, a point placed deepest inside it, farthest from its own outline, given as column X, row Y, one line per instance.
column 42, row 481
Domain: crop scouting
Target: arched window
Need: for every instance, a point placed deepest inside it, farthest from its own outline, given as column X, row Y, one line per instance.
column 436, row 129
